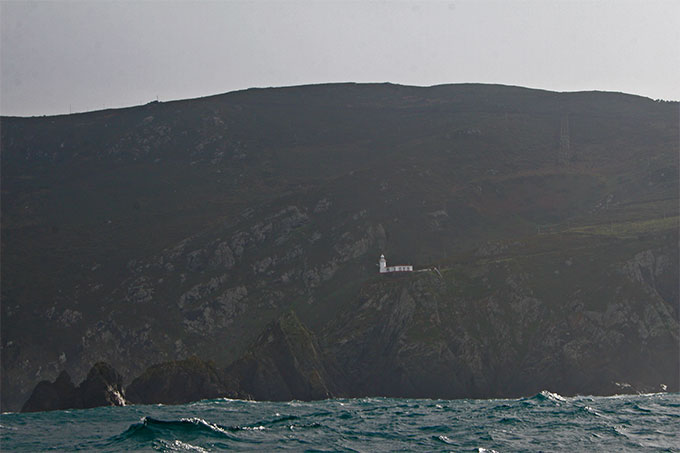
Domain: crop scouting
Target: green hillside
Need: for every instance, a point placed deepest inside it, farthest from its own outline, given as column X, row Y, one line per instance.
column 168, row 230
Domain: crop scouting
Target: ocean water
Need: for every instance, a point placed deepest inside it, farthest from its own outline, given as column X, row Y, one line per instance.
column 544, row 422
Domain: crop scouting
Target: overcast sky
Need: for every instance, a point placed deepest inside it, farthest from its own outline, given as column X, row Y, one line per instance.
column 56, row 56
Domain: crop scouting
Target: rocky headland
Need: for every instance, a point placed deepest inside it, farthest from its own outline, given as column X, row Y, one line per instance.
column 147, row 237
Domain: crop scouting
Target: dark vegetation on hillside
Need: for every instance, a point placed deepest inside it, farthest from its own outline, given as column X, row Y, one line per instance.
column 169, row 230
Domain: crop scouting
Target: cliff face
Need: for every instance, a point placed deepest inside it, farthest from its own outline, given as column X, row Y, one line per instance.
column 183, row 228
column 506, row 326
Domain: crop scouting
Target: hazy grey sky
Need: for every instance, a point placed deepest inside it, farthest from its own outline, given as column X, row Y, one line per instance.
column 95, row 54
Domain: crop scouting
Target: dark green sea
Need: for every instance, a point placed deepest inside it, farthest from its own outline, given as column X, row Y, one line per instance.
column 544, row 422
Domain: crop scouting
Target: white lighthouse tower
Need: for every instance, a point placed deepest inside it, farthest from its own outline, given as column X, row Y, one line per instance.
column 383, row 264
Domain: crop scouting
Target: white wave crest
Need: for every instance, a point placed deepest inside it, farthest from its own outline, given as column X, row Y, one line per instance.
column 200, row 421
column 553, row 396
column 445, row 439
column 178, row 445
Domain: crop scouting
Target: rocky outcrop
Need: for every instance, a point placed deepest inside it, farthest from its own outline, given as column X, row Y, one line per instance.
column 285, row 363
column 177, row 382
column 102, row 387
column 48, row 396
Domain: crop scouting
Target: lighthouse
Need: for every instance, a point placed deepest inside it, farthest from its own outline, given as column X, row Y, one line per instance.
column 384, row 269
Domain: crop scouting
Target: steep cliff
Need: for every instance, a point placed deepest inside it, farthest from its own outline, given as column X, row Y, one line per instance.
column 508, row 325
